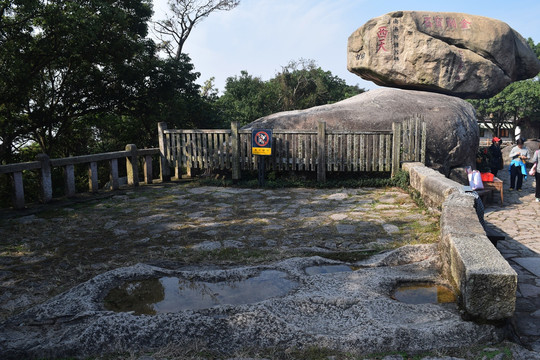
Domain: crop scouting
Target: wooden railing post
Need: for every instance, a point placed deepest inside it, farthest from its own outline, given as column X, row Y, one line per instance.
column 423, row 143
column 132, row 166
column 235, row 151
column 396, row 148
column 165, row 171
column 46, row 179
column 18, row 195
column 321, row 151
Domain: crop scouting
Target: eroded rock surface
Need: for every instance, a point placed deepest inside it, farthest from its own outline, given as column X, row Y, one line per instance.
column 350, row 311
column 453, row 53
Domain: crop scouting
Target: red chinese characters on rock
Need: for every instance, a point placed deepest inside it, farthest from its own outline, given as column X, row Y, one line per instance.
column 464, row 24
column 382, row 33
column 427, row 21
column 438, row 21
column 449, row 23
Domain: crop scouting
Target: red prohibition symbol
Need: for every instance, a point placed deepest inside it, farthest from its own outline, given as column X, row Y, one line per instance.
column 262, row 138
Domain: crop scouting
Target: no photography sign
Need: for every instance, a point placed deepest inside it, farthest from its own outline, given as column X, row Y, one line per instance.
column 261, row 142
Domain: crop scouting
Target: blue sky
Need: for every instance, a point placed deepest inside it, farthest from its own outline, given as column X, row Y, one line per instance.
column 261, row 36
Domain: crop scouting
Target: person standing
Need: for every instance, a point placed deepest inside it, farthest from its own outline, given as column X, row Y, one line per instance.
column 535, row 160
column 518, row 155
column 495, row 155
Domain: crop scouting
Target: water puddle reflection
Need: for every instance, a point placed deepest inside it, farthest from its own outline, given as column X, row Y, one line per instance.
column 424, row 293
column 327, row 269
column 173, row 294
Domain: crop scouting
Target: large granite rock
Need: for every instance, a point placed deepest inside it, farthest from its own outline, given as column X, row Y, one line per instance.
column 452, row 53
column 451, row 122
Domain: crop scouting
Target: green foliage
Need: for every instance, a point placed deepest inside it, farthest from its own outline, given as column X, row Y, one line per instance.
column 69, row 59
column 88, row 79
column 534, row 47
column 518, row 102
column 247, row 98
column 300, row 85
column 401, row 179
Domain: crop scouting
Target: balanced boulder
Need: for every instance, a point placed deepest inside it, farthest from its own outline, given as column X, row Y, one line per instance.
column 452, row 129
column 457, row 54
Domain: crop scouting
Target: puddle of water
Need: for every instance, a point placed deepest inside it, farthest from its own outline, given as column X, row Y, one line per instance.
column 172, row 294
column 327, row 269
column 424, row 294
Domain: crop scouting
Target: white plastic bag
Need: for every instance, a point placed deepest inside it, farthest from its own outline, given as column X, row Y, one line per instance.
column 475, row 180
column 533, row 170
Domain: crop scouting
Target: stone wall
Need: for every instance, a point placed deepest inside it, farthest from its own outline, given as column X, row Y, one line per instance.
column 486, row 282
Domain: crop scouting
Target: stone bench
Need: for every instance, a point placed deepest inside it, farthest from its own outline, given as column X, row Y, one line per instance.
column 486, row 282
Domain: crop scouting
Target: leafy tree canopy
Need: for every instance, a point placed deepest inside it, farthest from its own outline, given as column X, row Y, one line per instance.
column 518, row 102
column 64, row 60
column 299, row 85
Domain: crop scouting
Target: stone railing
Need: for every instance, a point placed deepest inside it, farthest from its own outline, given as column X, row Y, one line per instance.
column 44, row 165
column 486, row 282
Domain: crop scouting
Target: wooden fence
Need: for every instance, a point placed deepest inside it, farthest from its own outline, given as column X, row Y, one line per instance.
column 318, row 150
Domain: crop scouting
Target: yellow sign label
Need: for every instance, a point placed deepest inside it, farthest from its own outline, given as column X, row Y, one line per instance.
column 261, row 151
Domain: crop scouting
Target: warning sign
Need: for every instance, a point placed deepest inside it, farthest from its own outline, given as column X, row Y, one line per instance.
column 261, row 142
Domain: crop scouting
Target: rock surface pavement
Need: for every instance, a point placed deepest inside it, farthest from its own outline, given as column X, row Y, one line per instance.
column 519, row 221
column 209, row 233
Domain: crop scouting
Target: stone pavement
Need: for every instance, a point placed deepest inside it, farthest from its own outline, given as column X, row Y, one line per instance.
column 519, row 221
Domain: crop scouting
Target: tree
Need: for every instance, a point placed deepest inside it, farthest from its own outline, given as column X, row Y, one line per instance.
column 247, row 98
column 518, row 102
column 168, row 93
column 183, row 16
column 534, row 47
column 302, row 84
column 70, row 61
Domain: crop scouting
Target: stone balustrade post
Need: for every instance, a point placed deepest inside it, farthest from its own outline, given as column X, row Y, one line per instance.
column 165, row 170
column 18, row 195
column 148, row 169
column 46, row 178
column 93, row 177
column 113, row 177
column 132, row 166
column 69, row 180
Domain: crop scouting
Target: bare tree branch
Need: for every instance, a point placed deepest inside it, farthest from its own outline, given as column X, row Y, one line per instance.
column 182, row 18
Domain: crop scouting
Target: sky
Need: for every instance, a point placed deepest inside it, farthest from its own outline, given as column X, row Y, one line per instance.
column 262, row 36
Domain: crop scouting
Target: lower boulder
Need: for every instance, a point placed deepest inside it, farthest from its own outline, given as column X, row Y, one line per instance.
column 452, row 129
